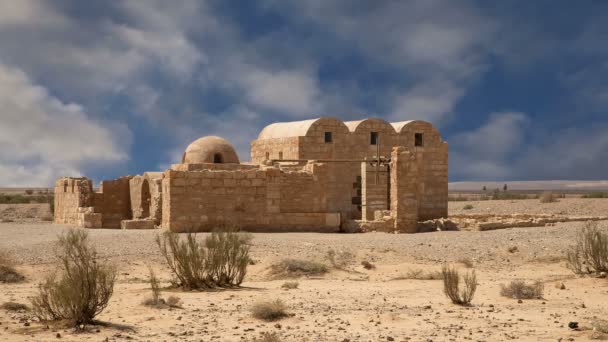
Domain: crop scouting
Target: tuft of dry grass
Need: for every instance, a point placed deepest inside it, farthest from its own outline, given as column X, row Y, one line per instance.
column 451, row 285
column 518, row 289
column 270, row 310
column 296, row 268
column 590, row 253
column 290, row 285
column 600, row 325
column 368, row 265
column 8, row 272
column 268, row 337
column 13, row 306
column 419, row 274
column 339, row 259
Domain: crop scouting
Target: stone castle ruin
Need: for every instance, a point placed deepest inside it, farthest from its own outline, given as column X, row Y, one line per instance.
column 314, row 175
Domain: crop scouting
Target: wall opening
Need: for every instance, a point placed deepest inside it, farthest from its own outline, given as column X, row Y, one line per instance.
column 267, row 155
column 217, row 158
column 418, row 139
column 328, row 137
column 373, row 138
column 281, row 155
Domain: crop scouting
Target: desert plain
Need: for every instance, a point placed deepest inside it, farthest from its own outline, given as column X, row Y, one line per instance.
column 395, row 301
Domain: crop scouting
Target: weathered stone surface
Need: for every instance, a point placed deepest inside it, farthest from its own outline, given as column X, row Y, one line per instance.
column 137, row 224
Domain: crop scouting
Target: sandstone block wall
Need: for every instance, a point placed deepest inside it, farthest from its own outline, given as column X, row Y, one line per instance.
column 252, row 199
column 280, row 148
column 70, row 195
column 116, row 204
column 139, row 195
column 404, row 190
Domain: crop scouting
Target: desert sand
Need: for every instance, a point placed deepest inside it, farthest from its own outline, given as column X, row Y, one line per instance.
column 347, row 304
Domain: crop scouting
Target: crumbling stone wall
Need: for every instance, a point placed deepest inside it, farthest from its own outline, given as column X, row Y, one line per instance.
column 404, row 190
column 116, row 204
column 374, row 191
column 70, row 195
column 139, row 191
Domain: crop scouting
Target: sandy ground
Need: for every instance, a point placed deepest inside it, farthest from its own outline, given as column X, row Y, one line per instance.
column 345, row 305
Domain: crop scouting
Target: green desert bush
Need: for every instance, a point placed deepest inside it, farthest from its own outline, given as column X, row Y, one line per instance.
column 596, row 194
column 468, row 207
column 451, row 285
column 8, row 273
column 518, row 289
column 296, row 268
column 590, row 253
column 84, row 286
column 270, row 310
column 221, row 260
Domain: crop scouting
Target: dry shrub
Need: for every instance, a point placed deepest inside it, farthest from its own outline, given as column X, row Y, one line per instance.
column 468, row 207
column 339, row 259
column 12, row 306
column 84, row 285
column 600, row 325
column 451, row 285
column 290, row 285
column 419, row 274
column 8, row 273
column 590, row 253
column 174, row 302
column 268, row 337
column 368, row 265
column 547, row 197
column 512, row 249
column 269, row 310
column 518, row 289
column 220, row 261
column 297, row 267
column 156, row 299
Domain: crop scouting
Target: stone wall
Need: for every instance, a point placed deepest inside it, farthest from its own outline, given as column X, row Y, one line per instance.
column 70, row 195
column 252, row 199
column 404, row 190
column 279, row 148
column 139, row 190
column 374, row 191
column 116, row 204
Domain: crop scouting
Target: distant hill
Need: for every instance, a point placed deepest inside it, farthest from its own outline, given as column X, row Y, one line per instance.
column 563, row 185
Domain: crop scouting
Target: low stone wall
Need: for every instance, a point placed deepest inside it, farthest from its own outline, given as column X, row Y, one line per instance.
column 483, row 222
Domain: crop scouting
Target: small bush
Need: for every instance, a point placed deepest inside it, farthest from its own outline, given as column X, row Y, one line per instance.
column 518, row 289
column 12, row 306
column 590, row 253
column 221, row 261
column 174, row 302
column 368, row 265
column 547, row 197
column 600, row 325
column 84, row 286
column 339, row 259
column 268, row 337
column 290, row 285
column 8, row 273
column 512, row 249
column 418, row 274
column 468, row 207
column 296, row 268
column 156, row 299
column 451, row 285
column 269, row 310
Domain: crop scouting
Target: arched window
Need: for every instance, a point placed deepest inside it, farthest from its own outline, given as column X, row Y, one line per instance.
column 217, row 158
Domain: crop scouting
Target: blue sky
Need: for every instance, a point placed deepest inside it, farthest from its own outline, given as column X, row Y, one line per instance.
column 519, row 89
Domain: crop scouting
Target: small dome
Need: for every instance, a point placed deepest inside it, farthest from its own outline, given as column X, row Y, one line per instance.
column 210, row 150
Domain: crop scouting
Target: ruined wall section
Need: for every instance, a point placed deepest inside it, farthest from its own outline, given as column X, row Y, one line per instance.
column 404, row 190
column 70, row 195
column 374, row 191
column 116, row 204
column 139, row 191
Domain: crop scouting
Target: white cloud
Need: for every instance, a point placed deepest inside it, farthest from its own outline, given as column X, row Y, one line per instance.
column 484, row 153
column 43, row 138
column 291, row 92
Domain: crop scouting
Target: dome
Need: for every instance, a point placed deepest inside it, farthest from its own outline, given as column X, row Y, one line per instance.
column 210, row 150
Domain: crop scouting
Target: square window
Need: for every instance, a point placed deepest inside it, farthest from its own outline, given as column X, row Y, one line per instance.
column 418, row 139
column 373, row 138
column 328, row 137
